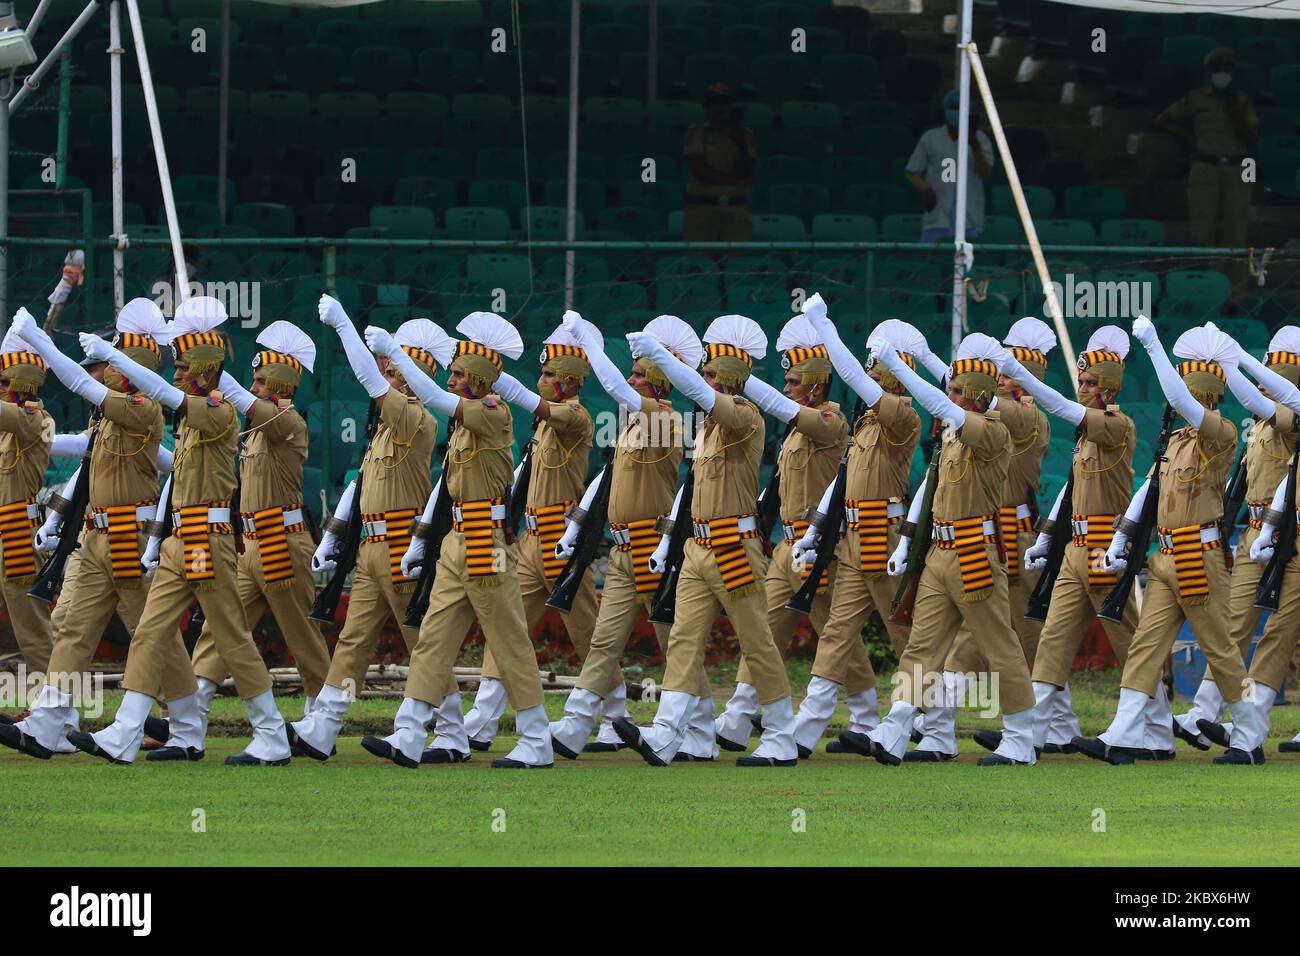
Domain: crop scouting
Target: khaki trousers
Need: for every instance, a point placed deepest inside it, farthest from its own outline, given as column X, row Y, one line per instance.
column 619, row 610
column 1162, row 616
column 290, row 606
column 370, row 602
column 1272, row 658
column 700, row 592
column 157, row 639
column 940, row 610
column 1218, row 209
column 703, row 223
column 458, row 599
column 1073, row 607
column 30, row 620
column 841, row 655
column 86, row 605
column 535, row 588
column 965, row 657
column 1243, row 616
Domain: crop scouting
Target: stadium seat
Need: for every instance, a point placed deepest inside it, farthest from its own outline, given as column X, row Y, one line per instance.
column 901, row 227
column 879, row 200
column 446, row 70
column 193, row 215
column 882, row 141
column 333, row 218
column 591, row 165
column 614, row 298
column 1094, row 203
column 428, row 191
column 1040, row 199
column 345, row 34
column 688, row 295
column 590, row 195
column 635, row 220
column 775, row 227
column 780, row 77
column 755, row 268
column 848, row 77
column 1211, row 287
column 417, row 107
column 1003, row 229
column 1132, row 232
column 1265, row 51
column 269, row 219
column 1065, row 232
column 1187, row 49
column 288, row 106
column 507, row 270
column 499, row 162
column 672, row 267
column 313, row 66
column 613, row 124
column 786, row 169
column 911, row 79
column 839, row 172
column 831, row 227
column 797, row 199
column 702, row 70
column 1285, row 82
column 668, row 120
column 550, row 222
column 404, row 222
column 1279, row 158
column 501, row 193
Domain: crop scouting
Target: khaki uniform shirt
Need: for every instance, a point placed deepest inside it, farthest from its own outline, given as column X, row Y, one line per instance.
column 1268, row 454
column 480, row 464
column 270, row 464
column 646, row 460
column 973, row 467
column 1030, row 434
column 720, row 152
column 1194, row 471
column 206, row 443
column 810, row 457
column 727, row 452
column 124, row 461
column 396, row 467
column 1215, row 133
column 561, row 449
column 26, row 433
column 1103, row 463
column 884, row 440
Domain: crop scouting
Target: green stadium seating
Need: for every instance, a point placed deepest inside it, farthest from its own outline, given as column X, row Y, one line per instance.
column 635, row 220
column 613, row 299
column 1279, row 158
column 673, row 267
column 345, row 34
column 1265, row 51
column 348, row 107
column 848, row 77
column 269, row 219
column 1188, row 49
column 446, row 70
column 314, row 66
column 1094, row 203
column 403, row 222
column 417, row 107
column 901, row 227
column 1040, row 199
column 780, row 77
column 590, row 165
column 501, row 193
column 201, row 189
column 193, row 215
column 776, row 227
column 427, row 191
column 680, row 295
column 881, row 141
column 1284, row 80
column 879, row 200
column 843, row 227
column 1212, row 287
column 754, row 268
column 797, row 199
column 1132, row 232
column 550, row 222
column 506, row 270
column 1065, row 232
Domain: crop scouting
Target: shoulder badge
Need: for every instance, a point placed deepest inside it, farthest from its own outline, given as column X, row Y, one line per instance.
column 489, row 401
column 136, row 400
column 213, row 399
column 828, row 415
column 738, row 400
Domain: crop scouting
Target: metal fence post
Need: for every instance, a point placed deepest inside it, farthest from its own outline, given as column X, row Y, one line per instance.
column 328, row 268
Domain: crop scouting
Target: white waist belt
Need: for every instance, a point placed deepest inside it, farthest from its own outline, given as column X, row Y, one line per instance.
column 949, row 533
column 498, row 513
column 33, row 511
column 1022, row 511
column 1207, row 535
column 215, row 516
column 292, row 517
column 142, row 513
column 743, row 524
column 894, row 509
column 1257, row 512
column 622, row 536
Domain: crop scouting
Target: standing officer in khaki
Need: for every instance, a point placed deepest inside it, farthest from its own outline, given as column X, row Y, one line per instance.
column 720, row 162
column 1188, row 580
column 477, row 567
column 395, row 483
column 1224, row 131
column 1029, row 340
column 198, row 560
column 1270, row 443
column 963, row 581
column 275, row 568
column 721, row 565
column 1103, row 483
column 26, row 431
column 561, row 443
column 123, row 493
column 816, row 436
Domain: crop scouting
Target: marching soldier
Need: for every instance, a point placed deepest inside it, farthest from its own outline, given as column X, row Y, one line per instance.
column 721, row 564
column 1102, row 483
column 561, row 447
column 395, row 482
column 1029, row 340
column 963, row 581
column 198, row 561
column 816, row 434
column 103, row 574
column 274, row 571
column 1188, row 579
column 646, row 459
column 477, row 566
column 1270, row 444
column 26, row 431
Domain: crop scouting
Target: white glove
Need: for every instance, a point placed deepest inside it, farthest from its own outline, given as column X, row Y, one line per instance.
column 1261, row 549
column 379, row 341
column 324, row 560
column 46, row 540
column 659, row 559
column 1036, row 553
column 516, row 393
column 898, row 560
column 568, row 543
column 1145, row 331
column 815, row 308
column 23, row 325
column 802, row 558
column 414, row 556
column 572, row 323
column 331, row 312
column 1114, row 559
column 883, row 351
column 152, row 553
column 96, row 349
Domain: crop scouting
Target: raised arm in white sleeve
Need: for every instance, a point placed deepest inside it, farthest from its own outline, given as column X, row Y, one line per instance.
column 70, row 446
column 611, row 380
column 936, row 366
column 239, row 396
column 686, row 380
column 428, row 391
column 1250, row 397
column 770, row 400
column 936, row 402
column 165, row 460
column 1171, row 384
column 70, row 373
column 149, row 383
column 1048, row 398
column 363, row 364
column 516, row 392
column 846, row 364
column 1278, row 387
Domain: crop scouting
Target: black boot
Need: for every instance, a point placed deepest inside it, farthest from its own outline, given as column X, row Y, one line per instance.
column 988, row 739
column 1235, row 755
column 857, row 743
column 927, row 756
column 443, row 755
column 156, row 728
column 11, row 736
column 175, row 753
column 86, row 744
column 1187, row 737
column 1214, row 731
column 630, row 734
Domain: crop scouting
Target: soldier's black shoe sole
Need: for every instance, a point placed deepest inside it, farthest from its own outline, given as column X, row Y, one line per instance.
column 175, row 753
column 11, row 736
column 156, row 728
column 378, row 746
column 436, row 755
column 300, row 748
column 1214, row 732
column 988, row 739
column 630, row 734
column 752, row 761
column 86, row 744
column 1289, row 747
column 506, row 763
column 680, row 757
column 915, row 736
column 597, row 747
column 482, row 746
column 1187, row 737
column 860, row 744
column 835, row 747
column 1239, row 757
column 728, row 744
column 566, row 752
column 1096, row 748
column 927, row 756
column 997, row 760
column 1057, row 749
column 248, row 760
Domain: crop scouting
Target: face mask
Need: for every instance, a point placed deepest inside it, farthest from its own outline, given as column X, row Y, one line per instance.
column 952, row 116
column 114, row 379
column 1220, row 81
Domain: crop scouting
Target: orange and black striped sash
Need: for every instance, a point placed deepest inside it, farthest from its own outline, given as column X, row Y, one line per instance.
column 477, row 524
column 16, row 524
column 547, row 524
column 643, row 539
column 1101, row 530
column 397, row 535
column 194, row 533
column 969, row 540
column 124, row 539
column 1010, row 526
column 272, row 537
column 1188, row 549
column 872, row 526
column 727, row 542
column 794, row 531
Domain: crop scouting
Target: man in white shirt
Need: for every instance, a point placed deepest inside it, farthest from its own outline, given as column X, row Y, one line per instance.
column 932, row 171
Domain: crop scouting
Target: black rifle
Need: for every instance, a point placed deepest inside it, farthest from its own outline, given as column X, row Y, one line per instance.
column 1113, row 608
column 900, row 609
column 1270, row 584
column 327, row 602
column 518, row 497
column 589, row 535
column 1234, row 496
column 664, row 606
column 769, row 502
column 440, row 524
column 1041, row 597
column 50, row 578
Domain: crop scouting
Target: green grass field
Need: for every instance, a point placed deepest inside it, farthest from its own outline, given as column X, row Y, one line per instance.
column 613, row 809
